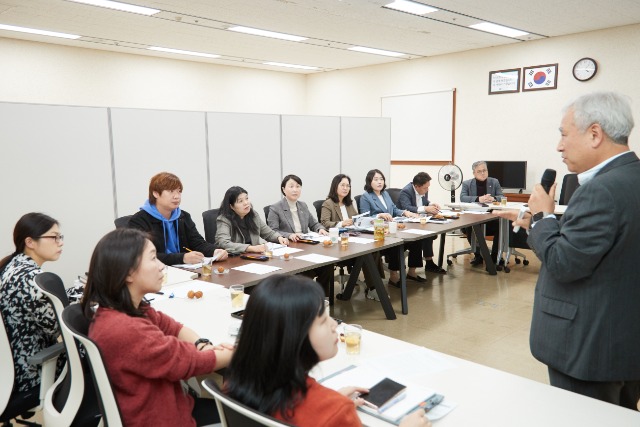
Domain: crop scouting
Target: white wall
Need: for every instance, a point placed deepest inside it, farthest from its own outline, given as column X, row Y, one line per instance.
column 521, row 126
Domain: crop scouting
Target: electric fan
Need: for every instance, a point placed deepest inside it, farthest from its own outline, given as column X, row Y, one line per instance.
column 450, row 178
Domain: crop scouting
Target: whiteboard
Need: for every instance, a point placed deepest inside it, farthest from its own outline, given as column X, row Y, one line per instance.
column 146, row 142
column 311, row 150
column 365, row 145
column 56, row 160
column 421, row 125
column 244, row 150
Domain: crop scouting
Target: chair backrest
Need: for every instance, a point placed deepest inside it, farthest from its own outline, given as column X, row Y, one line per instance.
column 569, row 185
column 394, row 193
column 209, row 219
column 6, row 367
column 72, row 399
column 357, row 199
column 266, row 212
column 122, row 222
column 235, row 414
column 74, row 321
column 318, row 205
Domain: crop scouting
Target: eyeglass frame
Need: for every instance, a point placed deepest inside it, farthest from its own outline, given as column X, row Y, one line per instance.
column 58, row 238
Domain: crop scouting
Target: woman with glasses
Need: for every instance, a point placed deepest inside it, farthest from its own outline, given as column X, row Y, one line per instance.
column 28, row 316
column 339, row 208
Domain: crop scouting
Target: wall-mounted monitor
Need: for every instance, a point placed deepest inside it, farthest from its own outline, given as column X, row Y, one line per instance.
column 511, row 174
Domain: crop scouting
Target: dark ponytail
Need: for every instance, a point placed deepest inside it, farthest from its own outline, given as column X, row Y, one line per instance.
column 34, row 225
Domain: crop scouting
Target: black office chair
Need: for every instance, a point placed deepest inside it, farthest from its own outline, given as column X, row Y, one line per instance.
column 394, row 193
column 74, row 322
column 233, row 413
column 122, row 222
column 357, row 199
column 318, row 205
column 569, row 185
column 266, row 213
column 209, row 219
column 72, row 400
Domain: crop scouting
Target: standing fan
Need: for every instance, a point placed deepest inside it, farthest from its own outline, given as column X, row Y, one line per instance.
column 450, row 178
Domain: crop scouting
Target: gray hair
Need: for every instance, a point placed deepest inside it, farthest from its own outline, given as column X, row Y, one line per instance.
column 476, row 164
column 612, row 111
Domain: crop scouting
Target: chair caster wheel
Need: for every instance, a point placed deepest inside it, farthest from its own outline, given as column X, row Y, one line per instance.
column 454, row 256
column 525, row 262
column 449, row 262
column 507, row 269
column 517, row 260
column 341, row 297
column 499, row 267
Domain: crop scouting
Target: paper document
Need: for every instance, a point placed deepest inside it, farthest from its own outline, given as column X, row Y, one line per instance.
column 360, row 240
column 197, row 265
column 286, row 250
column 418, row 231
column 257, row 268
column 317, row 259
column 178, row 275
column 181, row 290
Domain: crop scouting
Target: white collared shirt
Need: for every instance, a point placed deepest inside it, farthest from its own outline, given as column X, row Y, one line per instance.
column 587, row 176
column 419, row 204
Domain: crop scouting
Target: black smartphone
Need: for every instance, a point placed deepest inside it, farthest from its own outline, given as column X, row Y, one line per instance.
column 255, row 257
column 238, row 314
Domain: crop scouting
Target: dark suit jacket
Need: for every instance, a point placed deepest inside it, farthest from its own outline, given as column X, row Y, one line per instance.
column 187, row 234
column 330, row 214
column 586, row 312
column 407, row 199
column 281, row 220
column 469, row 192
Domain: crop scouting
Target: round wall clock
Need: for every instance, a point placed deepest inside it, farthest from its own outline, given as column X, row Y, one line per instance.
column 585, row 69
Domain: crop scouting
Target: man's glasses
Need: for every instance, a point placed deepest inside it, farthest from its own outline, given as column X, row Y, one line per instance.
column 58, row 238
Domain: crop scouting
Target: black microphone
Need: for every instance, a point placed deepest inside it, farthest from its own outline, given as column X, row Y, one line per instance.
column 548, row 178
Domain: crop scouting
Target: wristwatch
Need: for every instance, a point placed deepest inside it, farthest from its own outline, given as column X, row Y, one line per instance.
column 201, row 341
column 537, row 217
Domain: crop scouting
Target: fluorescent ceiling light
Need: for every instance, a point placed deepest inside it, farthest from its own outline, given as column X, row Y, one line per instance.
column 280, row 64
column 410, row 7
column 375, row 51
column 498, row 29
column 39, row 32
column 182, row 52
column 120, row 6
column 264, row 33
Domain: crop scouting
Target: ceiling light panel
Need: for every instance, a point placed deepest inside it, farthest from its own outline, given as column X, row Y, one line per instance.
column 125, row 7
column 410, row 7
column 265, row 33
column 498, row 29
column 38, row 32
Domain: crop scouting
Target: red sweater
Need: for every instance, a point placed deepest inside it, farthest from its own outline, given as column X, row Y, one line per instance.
column 146, row 361
column 324, row 407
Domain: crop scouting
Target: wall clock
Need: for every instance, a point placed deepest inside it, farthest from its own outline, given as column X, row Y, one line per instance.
column 585, row 69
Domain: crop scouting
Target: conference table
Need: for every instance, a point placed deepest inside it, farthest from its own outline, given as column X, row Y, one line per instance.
column 481, row 396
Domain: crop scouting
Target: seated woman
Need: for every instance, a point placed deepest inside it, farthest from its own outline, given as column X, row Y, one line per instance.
column 339, row 208
column 291, row 218
column 172, row 230
column 285, row 322
column 28, row 315
column 240, row 228
column 146, row 352
column 378, row 203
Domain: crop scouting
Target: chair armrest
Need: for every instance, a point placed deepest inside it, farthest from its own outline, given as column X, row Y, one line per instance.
column 46, row 354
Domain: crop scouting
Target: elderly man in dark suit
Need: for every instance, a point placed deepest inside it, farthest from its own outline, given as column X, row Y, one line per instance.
column 482, row 189
column 586, row 316
column 414, row 198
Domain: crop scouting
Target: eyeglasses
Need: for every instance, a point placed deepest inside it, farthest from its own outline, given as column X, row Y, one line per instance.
column 345, row 186
column 58, row 238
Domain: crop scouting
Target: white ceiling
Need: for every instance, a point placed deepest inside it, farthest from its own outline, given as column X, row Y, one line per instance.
column 331, row 26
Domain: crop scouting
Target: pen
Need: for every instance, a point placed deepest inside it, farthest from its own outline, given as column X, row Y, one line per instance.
column 188, row 250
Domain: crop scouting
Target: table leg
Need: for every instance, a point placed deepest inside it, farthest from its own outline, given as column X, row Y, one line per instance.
column 403, row 280
column 353, row 278
column 441, row 251
column 370, row 267
column 484, row 250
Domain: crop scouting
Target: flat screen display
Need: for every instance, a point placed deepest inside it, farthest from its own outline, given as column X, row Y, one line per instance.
column 511, row 174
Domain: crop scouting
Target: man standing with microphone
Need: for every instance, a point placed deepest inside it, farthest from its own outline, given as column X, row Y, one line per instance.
column 586, row 313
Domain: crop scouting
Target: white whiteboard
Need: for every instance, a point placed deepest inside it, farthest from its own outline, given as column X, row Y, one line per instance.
column 311, row 150
column 365, row 146
column 421, row 125
column 146, row 142
column 244, row 150
column 56, row 160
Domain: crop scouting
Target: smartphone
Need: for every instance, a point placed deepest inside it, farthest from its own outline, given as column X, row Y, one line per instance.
column 255, row 257
column 238, row 314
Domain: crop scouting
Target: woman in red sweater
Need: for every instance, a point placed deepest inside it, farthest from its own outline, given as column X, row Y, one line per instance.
column 146, row 352
column 286, row 324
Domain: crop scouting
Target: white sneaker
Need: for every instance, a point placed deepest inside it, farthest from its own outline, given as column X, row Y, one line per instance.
column 372, row 294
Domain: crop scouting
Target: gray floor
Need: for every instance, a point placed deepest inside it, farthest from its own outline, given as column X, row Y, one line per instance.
column 466, row 313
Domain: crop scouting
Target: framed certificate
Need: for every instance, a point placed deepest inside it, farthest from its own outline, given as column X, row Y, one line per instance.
column 540, row 77
column 504, row 81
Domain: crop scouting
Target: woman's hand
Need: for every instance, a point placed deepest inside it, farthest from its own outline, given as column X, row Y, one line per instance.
column 354, row 393
column 221, row 254
column 416, row 418
column 323, row 232
column 294, row 237
column 385, row 216
column 257, row 248
column 347, row 222
column 193, row 257
column 283, row 241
